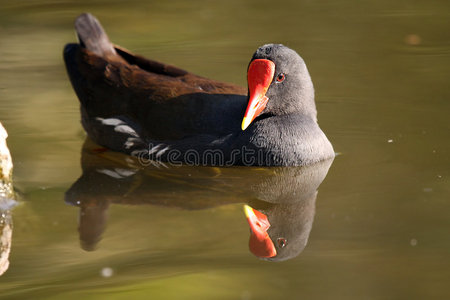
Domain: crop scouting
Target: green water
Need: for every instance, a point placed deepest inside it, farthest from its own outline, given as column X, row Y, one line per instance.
column 381, row 222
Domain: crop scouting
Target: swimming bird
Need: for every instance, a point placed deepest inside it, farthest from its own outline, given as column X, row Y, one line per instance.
column 156, row 111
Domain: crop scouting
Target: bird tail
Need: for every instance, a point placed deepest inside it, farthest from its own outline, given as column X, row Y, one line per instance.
column 92, row 36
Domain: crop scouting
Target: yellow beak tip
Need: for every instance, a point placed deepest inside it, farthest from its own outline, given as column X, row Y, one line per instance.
column 248, row 211
column 245, row 123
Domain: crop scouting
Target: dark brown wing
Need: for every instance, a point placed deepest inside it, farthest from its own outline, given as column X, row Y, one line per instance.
column 165, row 102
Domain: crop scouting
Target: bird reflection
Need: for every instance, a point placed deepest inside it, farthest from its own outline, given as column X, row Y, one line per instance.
column 284, row 195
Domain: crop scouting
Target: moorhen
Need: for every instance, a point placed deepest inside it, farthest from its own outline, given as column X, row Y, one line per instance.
column 156, row 111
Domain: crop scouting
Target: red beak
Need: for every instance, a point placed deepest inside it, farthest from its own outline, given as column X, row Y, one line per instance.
column 259, row 77
column 260, row 243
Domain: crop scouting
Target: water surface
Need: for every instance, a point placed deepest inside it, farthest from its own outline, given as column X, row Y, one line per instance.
column 380, row 223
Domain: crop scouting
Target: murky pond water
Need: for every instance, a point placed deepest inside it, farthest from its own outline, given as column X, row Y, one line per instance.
column 378, row 228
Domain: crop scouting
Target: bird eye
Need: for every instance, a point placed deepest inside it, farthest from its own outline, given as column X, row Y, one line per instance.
column 281, row 242
column 280, row 77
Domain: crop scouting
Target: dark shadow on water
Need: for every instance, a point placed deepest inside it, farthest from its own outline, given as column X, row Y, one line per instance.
column 286, row 195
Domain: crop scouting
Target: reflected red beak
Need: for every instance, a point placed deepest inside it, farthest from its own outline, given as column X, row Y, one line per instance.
column 259, row 77
column 260, row 243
